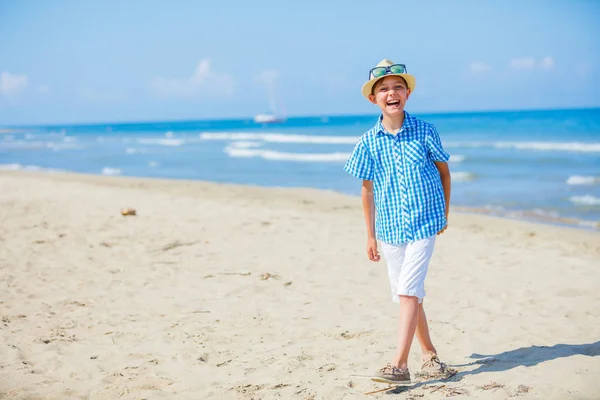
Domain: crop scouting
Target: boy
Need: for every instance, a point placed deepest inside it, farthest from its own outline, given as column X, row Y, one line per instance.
column 406, row 198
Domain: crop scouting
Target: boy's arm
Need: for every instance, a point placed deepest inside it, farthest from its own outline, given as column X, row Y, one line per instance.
column 369, row 212
column 444, row 171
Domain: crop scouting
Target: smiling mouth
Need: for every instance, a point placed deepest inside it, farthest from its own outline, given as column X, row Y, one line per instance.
column 393, row 103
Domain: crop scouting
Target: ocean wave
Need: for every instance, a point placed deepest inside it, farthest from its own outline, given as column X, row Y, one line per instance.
column 38, row 144
column 20, row 167
column 457, row 158
column 282, row 156
column 586, row 200
column 592, row 147
column 589, row 224
column 161, row 142
column 462, row 176
column 537, row 214
column 131, row 150
column 279, row 138
column 246, row 145
column 583, row 180
column 111, row 171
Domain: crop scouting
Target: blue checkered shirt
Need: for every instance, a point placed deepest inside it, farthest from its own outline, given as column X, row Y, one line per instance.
column 408, row 192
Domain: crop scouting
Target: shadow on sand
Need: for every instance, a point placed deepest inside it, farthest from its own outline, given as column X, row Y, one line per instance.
column 524, row 356
column 527, row 357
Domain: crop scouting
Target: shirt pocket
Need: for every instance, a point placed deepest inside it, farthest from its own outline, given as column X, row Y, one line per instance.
column 414, row 153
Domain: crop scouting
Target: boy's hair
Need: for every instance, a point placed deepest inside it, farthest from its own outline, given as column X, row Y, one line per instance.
column 381, row 80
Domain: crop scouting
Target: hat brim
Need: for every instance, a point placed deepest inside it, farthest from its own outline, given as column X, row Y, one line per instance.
column 368, row 86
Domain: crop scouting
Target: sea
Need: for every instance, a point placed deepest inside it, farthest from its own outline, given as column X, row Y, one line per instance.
column 532, row 165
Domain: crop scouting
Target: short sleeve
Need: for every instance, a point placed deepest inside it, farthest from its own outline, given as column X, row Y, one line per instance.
column 434, row 146
column 360, row 164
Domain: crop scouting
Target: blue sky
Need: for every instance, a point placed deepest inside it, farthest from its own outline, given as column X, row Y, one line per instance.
column 106, row 61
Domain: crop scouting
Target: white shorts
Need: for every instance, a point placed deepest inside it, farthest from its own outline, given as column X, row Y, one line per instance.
column 407, row 267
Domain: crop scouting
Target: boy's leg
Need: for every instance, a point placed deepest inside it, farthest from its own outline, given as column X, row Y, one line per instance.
column 422, row 331
column 409, row 314
column 411, row 290
column 406, row 332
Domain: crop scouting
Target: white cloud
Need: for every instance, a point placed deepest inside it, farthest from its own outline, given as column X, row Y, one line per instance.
column 530, row 63
column 11, row 84
column 479, row 67
column 547, row 63
column 522, row 63
column 204, row 81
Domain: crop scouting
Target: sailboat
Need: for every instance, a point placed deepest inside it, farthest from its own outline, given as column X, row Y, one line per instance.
column 270, row 117
column 267, row 118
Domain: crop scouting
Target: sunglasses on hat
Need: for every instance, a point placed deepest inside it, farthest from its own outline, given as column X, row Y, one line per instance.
column 382, row 71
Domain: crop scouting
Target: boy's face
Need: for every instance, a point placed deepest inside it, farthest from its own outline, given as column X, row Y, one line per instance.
column 390, row 94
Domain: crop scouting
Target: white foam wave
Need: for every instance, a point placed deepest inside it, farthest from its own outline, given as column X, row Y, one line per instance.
column 582, row 180
column 111, row 171
column 462, row 176
column 279, row 138
column 589, row 224
column 10, row 167
column 245, row 145
column 161, row 142
column 593, row 147
column 282, row 156
column 457, row 158
column 131, row 150
column 586, row 200
column 20, row 167
column 27, row 145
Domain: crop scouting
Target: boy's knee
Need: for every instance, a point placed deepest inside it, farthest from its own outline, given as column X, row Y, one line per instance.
column 405, row 297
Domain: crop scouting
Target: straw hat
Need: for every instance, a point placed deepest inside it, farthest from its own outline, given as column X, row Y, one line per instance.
column 368, row 86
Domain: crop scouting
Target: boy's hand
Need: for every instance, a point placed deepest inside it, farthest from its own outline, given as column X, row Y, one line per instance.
column 372, row 250
column 445, row 226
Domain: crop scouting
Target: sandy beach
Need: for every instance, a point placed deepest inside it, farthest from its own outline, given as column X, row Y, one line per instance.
column 231, row 292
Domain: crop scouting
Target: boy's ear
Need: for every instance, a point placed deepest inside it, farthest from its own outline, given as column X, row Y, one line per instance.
column 372, row 99
column 408, row 92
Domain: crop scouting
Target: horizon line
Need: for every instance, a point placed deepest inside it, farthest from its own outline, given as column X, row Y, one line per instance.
column 179, row 120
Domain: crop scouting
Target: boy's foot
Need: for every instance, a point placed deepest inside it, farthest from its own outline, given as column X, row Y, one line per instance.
column 432, row 366
column 391, row 374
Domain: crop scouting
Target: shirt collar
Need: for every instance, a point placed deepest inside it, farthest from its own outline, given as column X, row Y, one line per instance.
column 409, row 123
